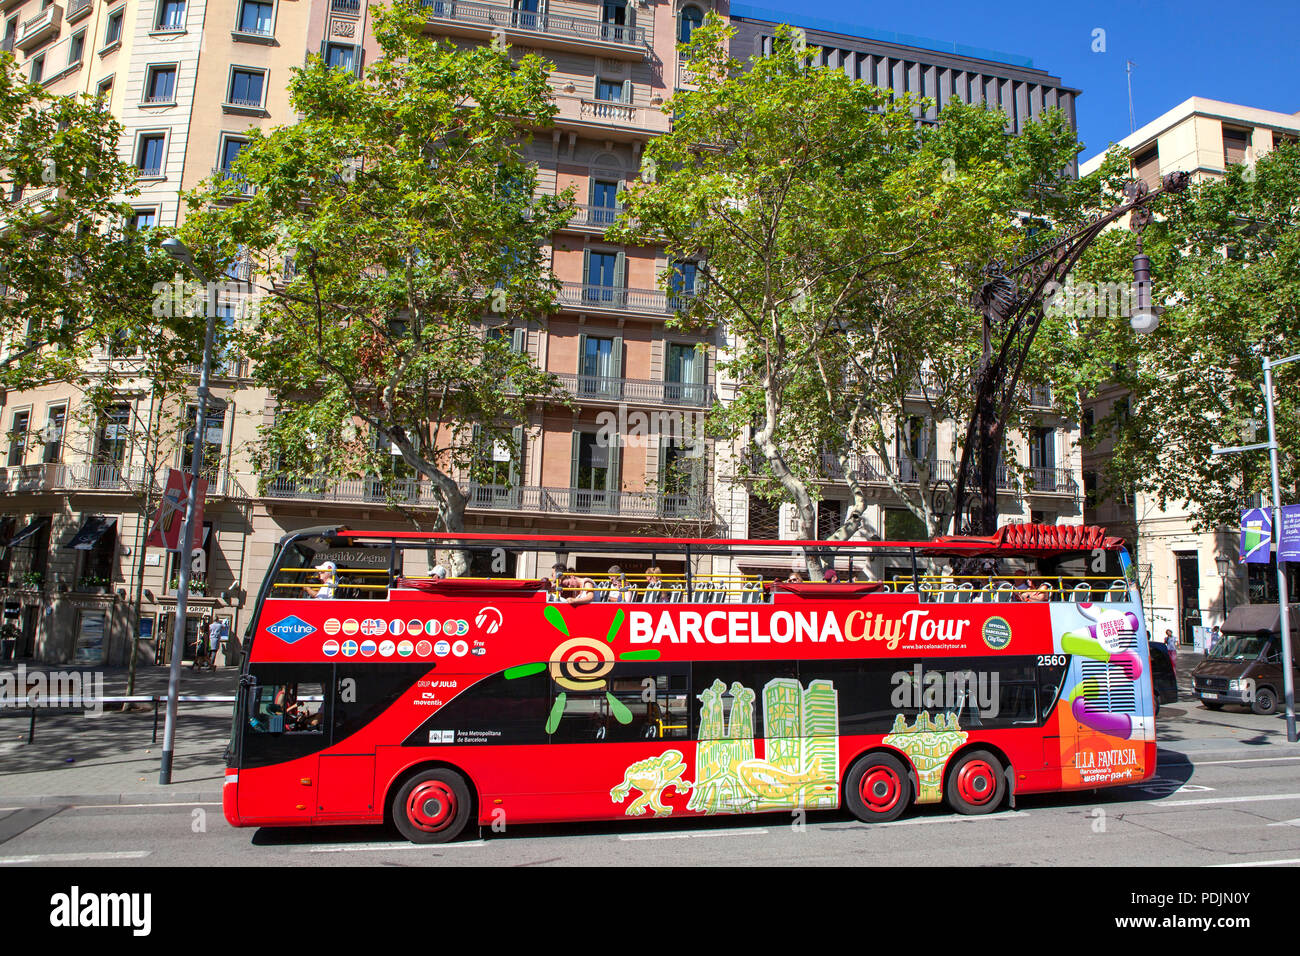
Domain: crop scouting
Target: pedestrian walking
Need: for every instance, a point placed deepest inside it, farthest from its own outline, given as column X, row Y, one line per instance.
column 201, row 645
column 216, row 632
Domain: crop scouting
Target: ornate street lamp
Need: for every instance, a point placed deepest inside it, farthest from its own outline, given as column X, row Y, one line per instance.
column 1011, row 302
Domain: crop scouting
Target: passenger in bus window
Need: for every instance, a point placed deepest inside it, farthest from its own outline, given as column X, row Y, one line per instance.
column 619, row 589
column 1029, row 592
column 574, row 590
column 439, row 572
column 794, row 578
column 830, row 576
column 328, row 574
column 654, row 584
column 301, row 716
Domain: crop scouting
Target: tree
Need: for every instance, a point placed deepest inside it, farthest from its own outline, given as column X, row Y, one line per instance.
column 1226, row 262
column 77, row 273
column 839, row 241
column 407, row 210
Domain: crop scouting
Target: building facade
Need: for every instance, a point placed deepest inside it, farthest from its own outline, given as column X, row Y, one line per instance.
column 1191, row 578
column 189, row 79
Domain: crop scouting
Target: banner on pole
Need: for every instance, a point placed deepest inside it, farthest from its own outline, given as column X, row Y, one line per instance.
column 1256, row 536
column 167, row 523
column 1288, row 545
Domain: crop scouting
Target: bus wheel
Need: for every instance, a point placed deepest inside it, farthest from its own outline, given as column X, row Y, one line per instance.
column 976, row 783
column 432, row 807
column 1265, row 701
column 877, row 788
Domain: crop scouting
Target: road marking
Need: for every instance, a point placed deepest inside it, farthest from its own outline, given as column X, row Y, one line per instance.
column 1287, row 823
column 19, row 821
column 692, row 836
column 1259, row 863
column 74, row 857
column 1213, row 800
column 1215, row 763
column 954, row 818
column 384, row 847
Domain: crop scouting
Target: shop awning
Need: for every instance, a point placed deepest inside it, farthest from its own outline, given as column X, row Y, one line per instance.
column 28, row 531
column 91, row 530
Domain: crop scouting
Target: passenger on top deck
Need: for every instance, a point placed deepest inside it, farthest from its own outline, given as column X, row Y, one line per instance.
column 569, row 588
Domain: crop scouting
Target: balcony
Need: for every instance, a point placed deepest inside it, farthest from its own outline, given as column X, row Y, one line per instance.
column 1050, row 481
column 638, row 391
column 346, row 7
column 594, row 219
column 413, row 492
column 1040, row 396
column 592, row 298
column 579, row 35
column 236, row 187
column 78, row 9
column 44, row 26
column 33, row 479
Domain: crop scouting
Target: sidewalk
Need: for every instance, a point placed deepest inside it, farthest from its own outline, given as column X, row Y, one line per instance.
column 111, row 758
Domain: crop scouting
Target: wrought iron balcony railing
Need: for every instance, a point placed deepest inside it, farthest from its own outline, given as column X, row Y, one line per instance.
column 491, row 16
column 581, row 295
column 413, row 492
column 603, row 388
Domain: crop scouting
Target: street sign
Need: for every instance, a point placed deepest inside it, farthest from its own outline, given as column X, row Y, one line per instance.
column 1256, row 536
column 1288, row 544
column 166, row 530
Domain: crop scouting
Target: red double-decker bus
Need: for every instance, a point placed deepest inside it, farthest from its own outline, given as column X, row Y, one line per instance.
column 694, row 677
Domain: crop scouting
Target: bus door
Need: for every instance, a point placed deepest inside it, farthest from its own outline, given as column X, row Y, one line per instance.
column 285, row 726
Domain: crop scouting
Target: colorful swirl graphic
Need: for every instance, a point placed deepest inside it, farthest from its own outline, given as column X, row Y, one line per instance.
column 581, row 663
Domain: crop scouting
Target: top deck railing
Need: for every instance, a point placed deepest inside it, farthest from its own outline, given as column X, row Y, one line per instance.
column 728, row 588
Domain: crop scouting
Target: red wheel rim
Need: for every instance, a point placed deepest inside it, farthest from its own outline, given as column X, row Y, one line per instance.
column 431, row 806
column 880, row 789
column 977, row 782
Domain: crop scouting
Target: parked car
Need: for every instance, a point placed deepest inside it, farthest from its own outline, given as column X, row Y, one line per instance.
column 1245, row 665
column 1164, row 683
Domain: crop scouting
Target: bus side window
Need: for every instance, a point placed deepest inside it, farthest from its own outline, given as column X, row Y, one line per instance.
column 294, row 708
column 266, row 709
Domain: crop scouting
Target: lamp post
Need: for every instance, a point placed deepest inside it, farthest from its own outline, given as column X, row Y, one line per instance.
column 1011, row 302
column 1284, row 609
column 1225, row 565
column 178, row 251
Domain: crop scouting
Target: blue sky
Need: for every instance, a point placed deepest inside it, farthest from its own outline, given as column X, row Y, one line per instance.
column 1242, row 52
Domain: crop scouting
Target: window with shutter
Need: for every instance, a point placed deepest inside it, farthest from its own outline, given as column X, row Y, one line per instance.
column 1235, row 144
column 1146, row 165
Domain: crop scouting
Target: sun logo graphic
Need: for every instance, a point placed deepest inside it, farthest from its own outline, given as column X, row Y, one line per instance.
column 488, row 620
column 582, row 664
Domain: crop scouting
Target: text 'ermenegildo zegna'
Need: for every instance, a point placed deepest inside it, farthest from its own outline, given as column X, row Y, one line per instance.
column 76, row 909
column 783, row 627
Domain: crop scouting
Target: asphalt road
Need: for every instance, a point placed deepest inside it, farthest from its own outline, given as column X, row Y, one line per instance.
column 1227, row 793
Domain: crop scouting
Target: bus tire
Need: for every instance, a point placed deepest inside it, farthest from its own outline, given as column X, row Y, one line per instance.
column 433, row 806
column 1264, row 702
column 976, row 783
column 877, row 788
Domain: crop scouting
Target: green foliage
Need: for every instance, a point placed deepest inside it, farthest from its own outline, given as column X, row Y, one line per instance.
column 1226, row 263
column 76, row 276
column 840, row 240
column 407, row 209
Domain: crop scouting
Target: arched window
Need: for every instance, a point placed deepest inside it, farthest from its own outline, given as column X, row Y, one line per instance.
column 691, row 18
